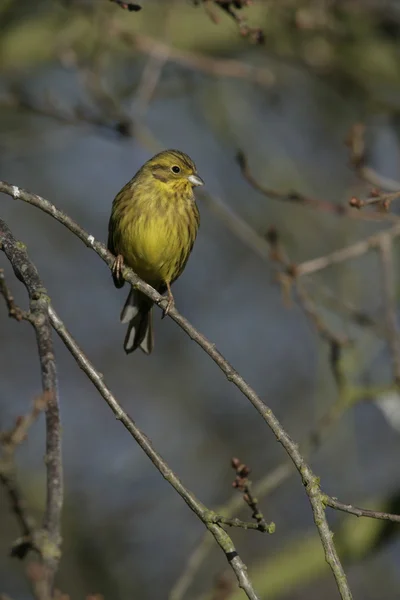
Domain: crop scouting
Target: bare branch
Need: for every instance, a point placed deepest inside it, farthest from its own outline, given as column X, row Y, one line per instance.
column 231, row 8
column 209, row 518
column 358, row 158
column 296, row 197
column 310, row 481
column 289, row 279
column 221, row 67
column 360, row 512
column 347, row 253
column 13, row 310
column 347, row 398
column 243, row 484
column 38, row 302
column 382, row 201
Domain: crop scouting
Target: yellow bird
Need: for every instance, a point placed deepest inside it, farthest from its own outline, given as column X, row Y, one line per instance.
column 152, row 229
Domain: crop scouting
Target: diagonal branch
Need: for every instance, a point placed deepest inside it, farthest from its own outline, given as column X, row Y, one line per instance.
column 310, row 481
column 38, row 301
column 347, row 253
column 210, row 519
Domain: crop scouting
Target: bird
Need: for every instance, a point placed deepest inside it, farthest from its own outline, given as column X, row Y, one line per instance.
column 152, row 228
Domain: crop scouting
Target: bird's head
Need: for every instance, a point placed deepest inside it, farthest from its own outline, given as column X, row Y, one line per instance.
column 173, row 169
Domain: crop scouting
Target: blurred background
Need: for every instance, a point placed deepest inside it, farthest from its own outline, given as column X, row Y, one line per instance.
column 88, row 92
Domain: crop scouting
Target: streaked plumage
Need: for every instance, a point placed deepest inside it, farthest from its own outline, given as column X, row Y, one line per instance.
column 152, row 229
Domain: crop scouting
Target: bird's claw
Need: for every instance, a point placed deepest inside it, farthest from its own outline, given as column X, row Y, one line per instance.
column 170, row 305
column 117, row 270
column 171, row 302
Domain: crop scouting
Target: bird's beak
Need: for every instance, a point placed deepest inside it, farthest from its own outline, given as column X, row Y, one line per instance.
column 195, row 180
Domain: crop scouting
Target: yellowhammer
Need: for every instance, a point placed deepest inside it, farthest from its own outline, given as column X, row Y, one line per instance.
column 152, row 229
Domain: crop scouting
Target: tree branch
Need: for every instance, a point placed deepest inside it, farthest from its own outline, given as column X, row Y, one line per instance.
column 208, row 517
column 360, row 512
column 310, row 481
column 347, row 253
column 38, row 302
column 217, row 67
column 358, row 159
column 296, row 197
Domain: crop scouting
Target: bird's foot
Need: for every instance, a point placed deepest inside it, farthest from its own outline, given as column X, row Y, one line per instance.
column 171, row 302
column 116, row 270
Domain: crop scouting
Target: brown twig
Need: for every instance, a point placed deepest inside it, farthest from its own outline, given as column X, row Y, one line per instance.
column 358, row 159
column 347, row 253
column 267, row 484
column 382, row 201
column 243, row 484
column 218, row 67
column 289, row 279
column 310, row 481
column 158, row 56
column 231, row 8
column 117, row 123
column 38, row 302
column 296, row 197
column 13, row 310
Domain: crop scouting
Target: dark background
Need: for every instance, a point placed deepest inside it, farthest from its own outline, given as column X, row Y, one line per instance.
column 77, row 119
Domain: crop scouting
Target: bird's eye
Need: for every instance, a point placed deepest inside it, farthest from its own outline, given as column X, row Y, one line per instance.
column 175, row 169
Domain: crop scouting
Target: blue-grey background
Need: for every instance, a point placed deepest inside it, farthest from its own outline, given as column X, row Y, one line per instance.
column 127, row 534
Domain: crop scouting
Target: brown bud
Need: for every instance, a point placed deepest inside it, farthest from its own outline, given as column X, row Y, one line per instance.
column 356, row 202
column 235, row 462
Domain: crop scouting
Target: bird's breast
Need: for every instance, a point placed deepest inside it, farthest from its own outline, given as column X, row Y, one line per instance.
column 156, row 243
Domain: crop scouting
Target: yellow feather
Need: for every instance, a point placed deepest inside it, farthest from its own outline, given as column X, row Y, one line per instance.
column 153, row 226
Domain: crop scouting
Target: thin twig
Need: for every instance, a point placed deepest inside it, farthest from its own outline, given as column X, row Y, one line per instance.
column 209, row 518
column 231, row 8
column 105, row 119
column 310, row 481
column 13, row 310
column 243, row 484
column 347, row 253
column 296, row 197
column 288, row 279
column 157, row 58
column 358, row 158
column 262, row 488
column 38, row 303
column 381, row 201
column 268, row 484
column 218, row 67
column 360, row 512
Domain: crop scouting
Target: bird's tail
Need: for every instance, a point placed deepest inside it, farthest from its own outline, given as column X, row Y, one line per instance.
column 137, row 313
